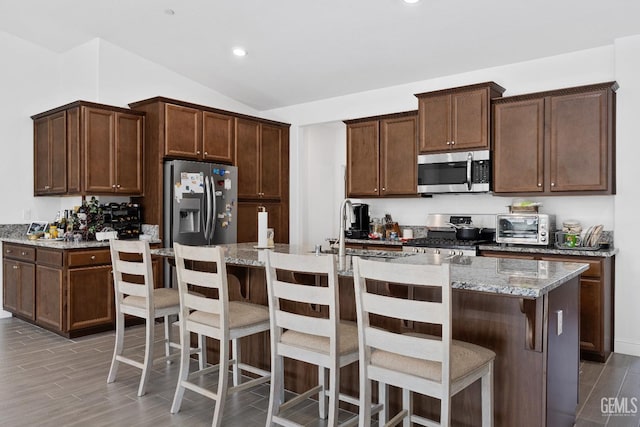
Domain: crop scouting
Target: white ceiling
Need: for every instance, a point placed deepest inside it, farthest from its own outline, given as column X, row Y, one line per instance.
column 305, row 50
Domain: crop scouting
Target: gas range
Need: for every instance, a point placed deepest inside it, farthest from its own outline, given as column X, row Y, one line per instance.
column 441, row 237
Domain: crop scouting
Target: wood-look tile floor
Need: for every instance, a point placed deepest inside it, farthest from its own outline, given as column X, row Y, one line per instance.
column 48, row 380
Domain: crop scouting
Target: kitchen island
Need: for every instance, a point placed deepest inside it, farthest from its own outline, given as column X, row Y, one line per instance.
column 528, row 315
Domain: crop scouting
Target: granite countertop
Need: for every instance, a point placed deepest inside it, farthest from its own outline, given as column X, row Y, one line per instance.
column 515, row 277
column 60, row 244
column 546, row 250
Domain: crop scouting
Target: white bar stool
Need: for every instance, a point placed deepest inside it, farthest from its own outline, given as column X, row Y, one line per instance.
column 215, row 317
column 135, row 295
column 435, row 366
column 326, row 342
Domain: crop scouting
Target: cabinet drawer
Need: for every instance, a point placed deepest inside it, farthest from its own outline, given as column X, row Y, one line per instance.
column 49, row 257
column 89, row 258
column 19, row 252
column 595, row 265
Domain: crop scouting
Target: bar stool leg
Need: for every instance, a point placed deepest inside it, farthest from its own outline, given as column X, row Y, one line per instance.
column 322, row 396
column 117, row 351
column 202, row 355
column 276, row 392
column 236, row 352
column 148, row 354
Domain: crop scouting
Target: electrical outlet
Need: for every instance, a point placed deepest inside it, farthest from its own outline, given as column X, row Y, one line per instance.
column 26, row 214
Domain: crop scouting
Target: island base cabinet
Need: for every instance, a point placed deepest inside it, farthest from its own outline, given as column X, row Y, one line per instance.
column 536, row 365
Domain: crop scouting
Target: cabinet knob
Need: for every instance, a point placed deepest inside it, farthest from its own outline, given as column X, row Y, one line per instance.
column 453, row 142
column 8, row 251
column 23, row 253
column 206, row 153
column 93, row 257
column 118, row 186
column 553, row 184
column 198, row 152
column 46, row 187
column 384, row 189
column 539, row 184
column 15, row 267
column 113, row 186
column 375, row 189
column 448, row 143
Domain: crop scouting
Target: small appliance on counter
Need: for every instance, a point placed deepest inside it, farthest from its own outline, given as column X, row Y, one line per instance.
column 360, row 225
column 525, row 228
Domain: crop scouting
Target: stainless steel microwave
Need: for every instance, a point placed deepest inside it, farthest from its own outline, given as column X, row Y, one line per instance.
column 455, row 172
column 525, row 228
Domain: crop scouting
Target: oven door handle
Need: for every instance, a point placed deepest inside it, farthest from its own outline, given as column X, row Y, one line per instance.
column 469, row 163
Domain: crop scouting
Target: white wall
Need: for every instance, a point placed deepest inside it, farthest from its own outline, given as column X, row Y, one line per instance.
column 321, row 122
column 627, row 292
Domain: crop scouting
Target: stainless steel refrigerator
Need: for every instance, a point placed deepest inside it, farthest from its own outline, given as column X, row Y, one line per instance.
column 200, row 203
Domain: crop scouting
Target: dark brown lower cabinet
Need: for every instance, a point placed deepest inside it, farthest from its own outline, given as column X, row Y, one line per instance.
column 596, row 301
column 69, row 292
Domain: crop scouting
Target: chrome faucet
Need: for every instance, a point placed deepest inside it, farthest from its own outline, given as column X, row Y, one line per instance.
column 343, row 218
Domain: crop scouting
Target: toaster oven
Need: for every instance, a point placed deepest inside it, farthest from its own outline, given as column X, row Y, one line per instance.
column 525, row 228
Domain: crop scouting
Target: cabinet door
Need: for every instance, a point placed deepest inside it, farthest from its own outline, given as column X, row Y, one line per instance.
column 271, row 161
column 363, row 159
column 74, row 161
column 470, row 120
column 518, row 147
column 182, row 137
column 41, row 149
column 248, row 222
column 247, row 157
column 218, row 137
column 398, row 156
column 128, row 153
column 591, row 313
column 49, row 297
column 435, row 123
column 90, row 297
column 10, row 285
column 19, row 287
column 98, row 137
column 50, row 151
column 579, row 142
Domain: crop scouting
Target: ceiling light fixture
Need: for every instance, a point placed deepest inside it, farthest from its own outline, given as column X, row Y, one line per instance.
column 239, row 51
column 170, row 12
column 411, row 1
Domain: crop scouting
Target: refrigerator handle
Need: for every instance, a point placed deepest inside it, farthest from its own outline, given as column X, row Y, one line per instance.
column 214, row 211
column 209, row 214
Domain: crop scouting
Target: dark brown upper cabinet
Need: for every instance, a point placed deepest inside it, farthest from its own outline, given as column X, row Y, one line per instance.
column 556, row 142
column 381, row 155
column 456, row 119
column 87, row 148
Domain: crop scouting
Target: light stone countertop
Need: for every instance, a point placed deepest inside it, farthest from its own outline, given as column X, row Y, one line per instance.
column 60, row 244
column 515, row 277
column 545, row 250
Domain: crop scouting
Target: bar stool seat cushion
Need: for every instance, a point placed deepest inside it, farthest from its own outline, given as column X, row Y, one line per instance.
column 241, row 314
column 465, row 357
column 348, row 341
column 162, row 298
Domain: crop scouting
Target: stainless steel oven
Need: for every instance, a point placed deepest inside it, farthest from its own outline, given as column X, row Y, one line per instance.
column 455, row 172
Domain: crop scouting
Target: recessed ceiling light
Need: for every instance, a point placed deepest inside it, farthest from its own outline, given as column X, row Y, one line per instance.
column 411, row 1
column 170, row 11
column 239, row 51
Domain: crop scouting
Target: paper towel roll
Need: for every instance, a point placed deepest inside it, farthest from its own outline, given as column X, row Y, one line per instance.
column 263, row 220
